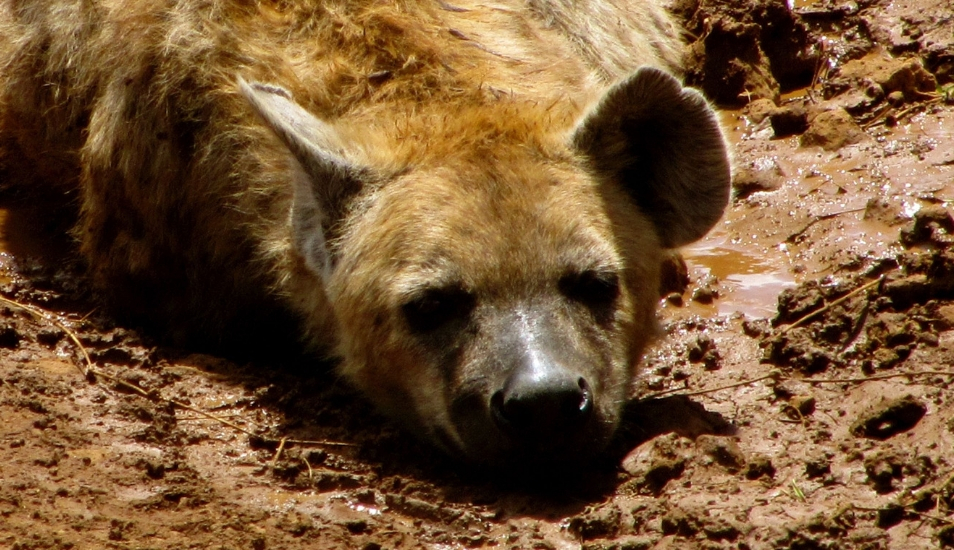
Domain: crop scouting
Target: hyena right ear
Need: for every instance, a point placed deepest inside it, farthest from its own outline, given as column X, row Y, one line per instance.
column 663, row 144
column 333, row 175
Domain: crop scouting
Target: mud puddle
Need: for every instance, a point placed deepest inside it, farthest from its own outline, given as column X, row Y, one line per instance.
column 748, row 280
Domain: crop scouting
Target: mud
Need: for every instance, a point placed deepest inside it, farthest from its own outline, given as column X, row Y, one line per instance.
column 801, row 399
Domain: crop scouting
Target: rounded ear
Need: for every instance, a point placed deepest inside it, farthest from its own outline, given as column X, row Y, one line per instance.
column 663, row 144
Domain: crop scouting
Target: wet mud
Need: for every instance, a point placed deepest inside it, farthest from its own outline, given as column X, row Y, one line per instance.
column 801, row 398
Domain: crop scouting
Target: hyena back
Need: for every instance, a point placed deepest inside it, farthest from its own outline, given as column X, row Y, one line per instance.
column 466, row 203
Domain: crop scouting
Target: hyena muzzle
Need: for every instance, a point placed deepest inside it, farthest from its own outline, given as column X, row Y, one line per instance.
column 466, row 204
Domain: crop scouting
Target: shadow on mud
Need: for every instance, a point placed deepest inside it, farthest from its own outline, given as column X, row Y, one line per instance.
column 410, row 475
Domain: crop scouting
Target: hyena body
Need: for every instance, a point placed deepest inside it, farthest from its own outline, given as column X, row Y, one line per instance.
column 465, row 202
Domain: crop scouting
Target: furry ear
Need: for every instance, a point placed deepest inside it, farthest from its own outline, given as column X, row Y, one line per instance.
column 331, row 176
column 663, row 144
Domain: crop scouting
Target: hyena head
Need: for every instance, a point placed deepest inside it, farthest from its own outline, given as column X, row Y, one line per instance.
column 495, row 290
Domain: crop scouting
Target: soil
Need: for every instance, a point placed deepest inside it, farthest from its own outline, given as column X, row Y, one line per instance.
column 801, row 399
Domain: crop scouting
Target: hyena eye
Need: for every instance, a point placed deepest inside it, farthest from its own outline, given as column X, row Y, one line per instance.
column 597, row 290
column 437, row 307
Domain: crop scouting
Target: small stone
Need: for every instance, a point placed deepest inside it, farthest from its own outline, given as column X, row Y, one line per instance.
column 599, row 523
column 881, row 359
column 699, row 347
column 818, row 467
column 944, row 317
column 889, row 516
column 931, row 223
column 783, row 390
column 680, row 522
column 9, row 337
column 759, row 109
column 356, row 526
column 896, row 98
column 712, row 360
column 755, row 328
column 759, row 466
column 720, row 529
column 882, row 470
column 705, row 294
column 831, row 130
column 662, row 471
column 804, row 404
column 789, row 120
column 761, row 174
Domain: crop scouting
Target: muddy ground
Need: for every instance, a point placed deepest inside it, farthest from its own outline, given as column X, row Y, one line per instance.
column 801, row 400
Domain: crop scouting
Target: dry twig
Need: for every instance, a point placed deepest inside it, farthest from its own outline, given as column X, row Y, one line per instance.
column 777, row 377
column 42, row 315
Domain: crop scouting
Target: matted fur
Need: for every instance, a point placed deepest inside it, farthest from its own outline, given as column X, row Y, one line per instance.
column 458, row 119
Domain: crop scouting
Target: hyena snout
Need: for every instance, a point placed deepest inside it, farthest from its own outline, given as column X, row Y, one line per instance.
column 542, row 399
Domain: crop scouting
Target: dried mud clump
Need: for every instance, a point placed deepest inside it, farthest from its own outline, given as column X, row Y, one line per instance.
column 688, row 522
column 762, row 174
column 889, row 418
column 832, row 130
column 746, row 50
column 9, row 337
column 873, row 321
column 601, row 522
column 855, row 74
column 924, row 278
column 931, row 225
column 889, row 470
column 868, row 81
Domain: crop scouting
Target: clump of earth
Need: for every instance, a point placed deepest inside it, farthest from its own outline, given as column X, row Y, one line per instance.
column 801, row 398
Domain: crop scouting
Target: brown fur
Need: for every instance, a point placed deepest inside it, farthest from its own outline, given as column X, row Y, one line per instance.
column 466, row 144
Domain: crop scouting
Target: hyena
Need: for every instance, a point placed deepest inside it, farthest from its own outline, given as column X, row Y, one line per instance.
column 465, row 202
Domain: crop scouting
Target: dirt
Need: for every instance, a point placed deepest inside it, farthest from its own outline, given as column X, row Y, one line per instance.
column 801, row 398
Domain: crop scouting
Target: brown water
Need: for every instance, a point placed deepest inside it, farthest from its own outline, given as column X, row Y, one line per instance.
column 751, row 281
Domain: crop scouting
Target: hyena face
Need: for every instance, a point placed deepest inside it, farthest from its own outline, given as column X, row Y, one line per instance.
column 509, row 317
column 496, row 293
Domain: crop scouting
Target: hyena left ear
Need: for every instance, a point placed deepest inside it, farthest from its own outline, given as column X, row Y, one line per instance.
column 663, row 144
column 332, row 175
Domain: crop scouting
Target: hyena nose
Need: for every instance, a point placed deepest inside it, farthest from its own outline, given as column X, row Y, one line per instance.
column 538, row 404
